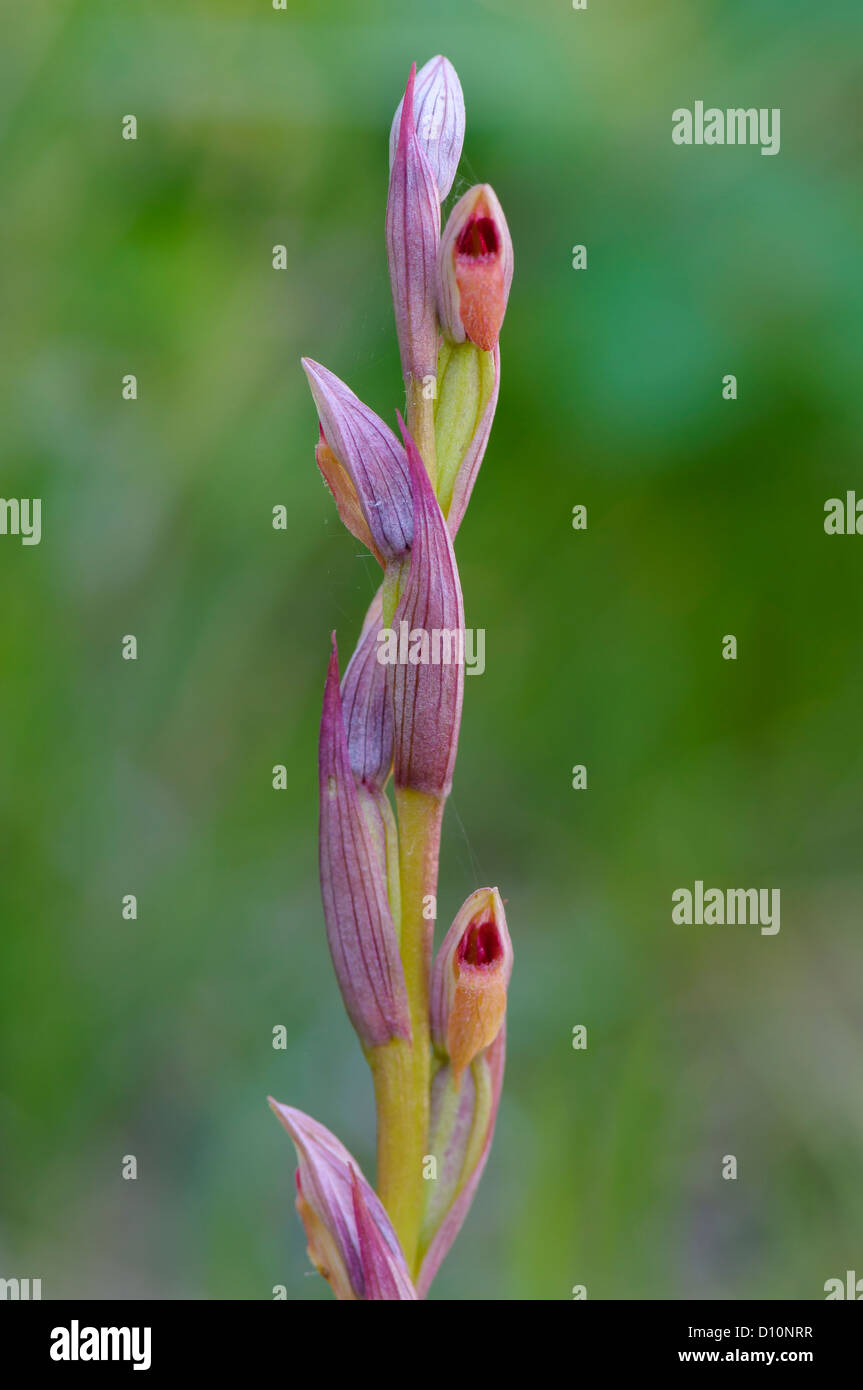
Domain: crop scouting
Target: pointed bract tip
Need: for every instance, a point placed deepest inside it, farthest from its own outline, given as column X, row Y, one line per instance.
column 331, row 683
column 415, row 458
column 350, row 1238
column 406, row 124
column 413, row 238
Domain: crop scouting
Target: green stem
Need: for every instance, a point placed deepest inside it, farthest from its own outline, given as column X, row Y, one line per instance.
column 421, row 425
column 401, row 1071
column 399, row 1132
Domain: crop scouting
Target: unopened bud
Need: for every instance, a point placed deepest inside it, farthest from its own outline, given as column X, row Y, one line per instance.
column 438, row 120
column 364, row 466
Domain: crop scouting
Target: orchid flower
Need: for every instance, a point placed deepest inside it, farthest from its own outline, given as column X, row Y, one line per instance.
column 432, row 1030
column 351, row 1240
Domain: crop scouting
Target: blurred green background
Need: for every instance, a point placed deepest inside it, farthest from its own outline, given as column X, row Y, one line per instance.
column 153, row 1037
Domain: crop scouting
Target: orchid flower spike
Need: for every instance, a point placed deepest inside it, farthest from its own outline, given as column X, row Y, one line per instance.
column 433, row 1031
